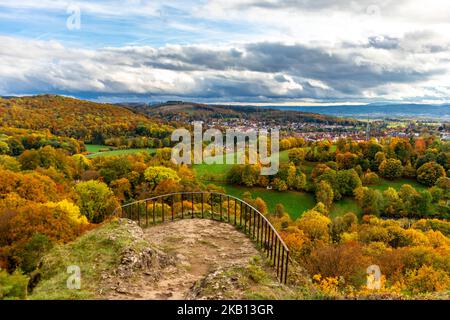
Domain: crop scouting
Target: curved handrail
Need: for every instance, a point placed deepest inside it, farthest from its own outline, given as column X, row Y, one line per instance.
column 281, row 272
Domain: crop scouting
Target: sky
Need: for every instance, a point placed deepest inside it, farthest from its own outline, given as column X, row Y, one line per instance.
column 291, row 52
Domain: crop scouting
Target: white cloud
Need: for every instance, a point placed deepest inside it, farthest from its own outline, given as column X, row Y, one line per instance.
column 249, row 50
column 251, row 72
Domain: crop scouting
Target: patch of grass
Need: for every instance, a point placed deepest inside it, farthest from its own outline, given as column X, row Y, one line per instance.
column 218, row 172
column 343, row 206
column 284, row 156
column 96, row 151
column 95, row 147
column 295, row 203
column 94, row 252
column 397, row 184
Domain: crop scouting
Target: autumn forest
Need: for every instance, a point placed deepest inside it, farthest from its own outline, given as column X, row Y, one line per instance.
column 54, row 189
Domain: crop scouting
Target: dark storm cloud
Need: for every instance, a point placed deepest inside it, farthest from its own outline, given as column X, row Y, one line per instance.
column 348, row 73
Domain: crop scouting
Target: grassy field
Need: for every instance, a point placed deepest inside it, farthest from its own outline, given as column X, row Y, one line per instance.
column 295, row 203
column 397, row 184
column 95, row 151
column 343, row 206
column 218, row 171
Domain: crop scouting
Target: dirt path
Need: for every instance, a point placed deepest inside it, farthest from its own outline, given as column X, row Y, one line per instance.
column 199, row 247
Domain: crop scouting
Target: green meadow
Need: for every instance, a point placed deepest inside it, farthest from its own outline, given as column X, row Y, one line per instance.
column 218, row 172
column 397, row 184
column 95, row 151
column 295, row 203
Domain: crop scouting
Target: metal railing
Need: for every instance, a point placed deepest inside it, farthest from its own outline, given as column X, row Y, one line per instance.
column 215, row 206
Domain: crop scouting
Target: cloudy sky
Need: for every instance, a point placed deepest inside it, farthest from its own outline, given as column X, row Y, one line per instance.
column 258, row 51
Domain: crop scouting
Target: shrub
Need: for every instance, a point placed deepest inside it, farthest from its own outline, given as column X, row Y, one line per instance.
column 427, row 279
column 13, row 286
column 370, row 178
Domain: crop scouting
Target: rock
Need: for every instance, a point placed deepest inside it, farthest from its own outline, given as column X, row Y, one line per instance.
column 122, row 291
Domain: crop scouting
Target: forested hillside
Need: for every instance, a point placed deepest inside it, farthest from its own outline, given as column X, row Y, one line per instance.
column 51, row 194
column 83, row 120
column 185, row 111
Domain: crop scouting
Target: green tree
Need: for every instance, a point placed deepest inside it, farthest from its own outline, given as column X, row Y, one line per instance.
column 370, row 179
column 300, row 181
column 279, row 184
column 9, row 163
column 391, row 169
column 234, row 175
column 392, row 202
column 370, row 201
column 297, row 156
column 155, row 175
column 444, row 184
column 96, row 200
column 315, row 225
column 346, row 160
column 4, row 148
column 33, row 251
column 324, row 194
column 292, row 175
column 279, row 210
column 347, row 181
column 429, row 173
column 13, row 286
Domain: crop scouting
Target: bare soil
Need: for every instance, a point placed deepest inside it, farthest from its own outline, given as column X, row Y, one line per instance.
column 197, row 248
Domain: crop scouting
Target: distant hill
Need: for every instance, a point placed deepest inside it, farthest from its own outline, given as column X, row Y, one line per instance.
column 83, row 120
column 189, row 111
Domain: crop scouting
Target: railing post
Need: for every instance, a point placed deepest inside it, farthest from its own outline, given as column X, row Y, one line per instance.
column 228, row 209
column 258, row 231
column 245, row 218
column 162, row 208
column 154, row 204
column 139, row 213
column 250, row 222
column 212, row 205
column 263, row 232
column 279, row 253
column 235, row 214
column 173, row 204
column 240, row 216
column 282, row 265
column 146, row 213
column 220, row 206
column 202, row 206
column 192, row 199
column 254, row 222
column 275, row 251
column 270, row 244
column 287, row 264
column 182, row 206
column 266, row 230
